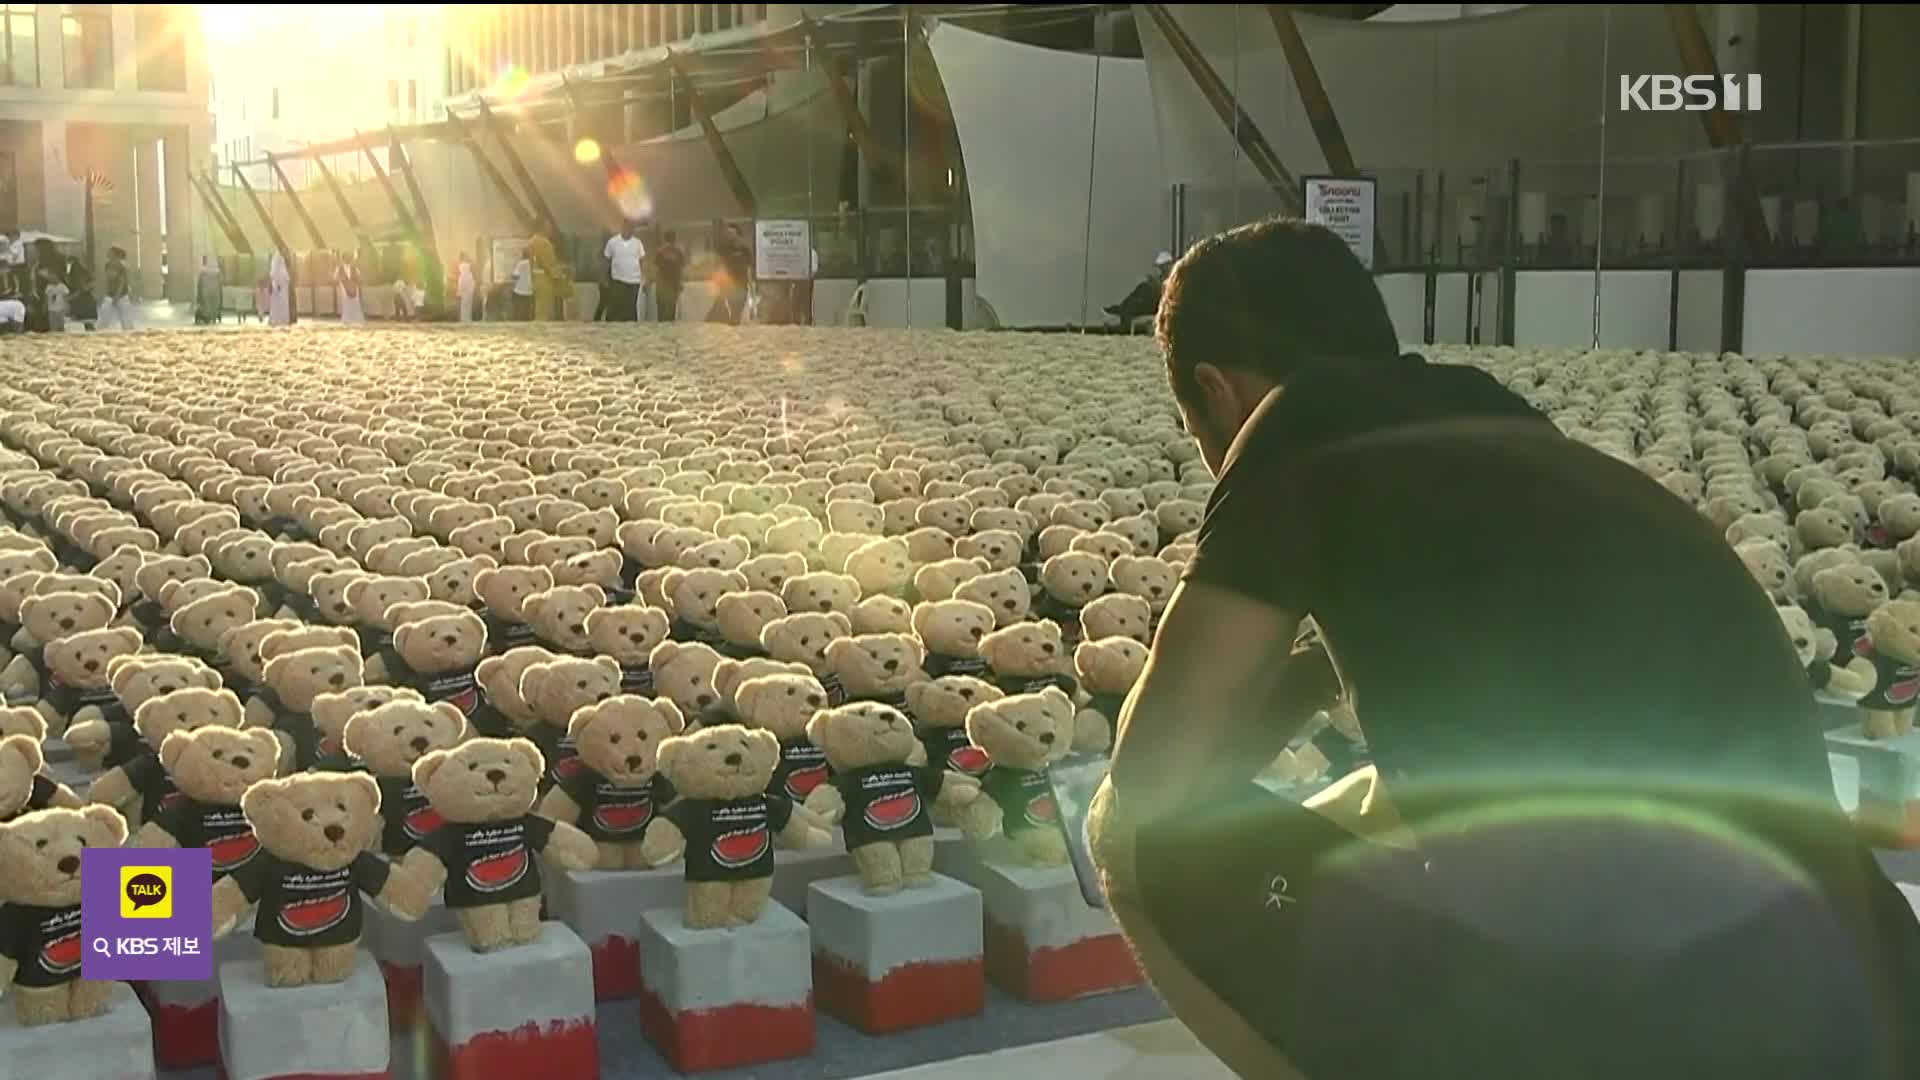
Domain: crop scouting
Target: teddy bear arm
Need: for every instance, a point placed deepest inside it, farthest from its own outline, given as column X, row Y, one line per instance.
column 22, row 641
column 111, row 789
column 425, row 868
column 405, row 893
column 571, row 848
column 956, row 790
column 1863, row 673
column 804, row 830
column 56, row 721
column 88, row 714
column 825, row 803
column 64, row 797
column 558, row 806
column 663, row 843
column 7, row 967
column 1848, row 682
column 257, row 714
column 230, row 903
column 152, row 835
column 1092, row 731
column 980, row 820
column 375, row 670
column 89, row 737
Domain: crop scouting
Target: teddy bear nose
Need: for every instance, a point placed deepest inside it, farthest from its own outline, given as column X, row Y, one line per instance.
column 891, row 665
column 494, row 776
column 1154, row 589
column 576, row 628
column 634, row 761
column 703, row 700
column 419, row 744
column 1009, row 605
column 1047, row 647
column 826, row 605
column 1046, row 738
column 336, row 679
column 1087, row 588
column 69, row 864
column 734, row 759
column 334, row 833
column 241, row 761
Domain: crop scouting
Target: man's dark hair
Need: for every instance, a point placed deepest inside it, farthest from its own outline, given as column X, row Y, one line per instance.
column 1270, row 297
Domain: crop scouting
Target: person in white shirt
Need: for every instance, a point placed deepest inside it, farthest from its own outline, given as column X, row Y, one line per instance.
column 625, row 254
column 465, row 286
column 16, row 249
column 523, row 289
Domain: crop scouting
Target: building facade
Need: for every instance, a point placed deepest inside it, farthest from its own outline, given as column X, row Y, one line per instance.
column 489, row 42
column 112, row 96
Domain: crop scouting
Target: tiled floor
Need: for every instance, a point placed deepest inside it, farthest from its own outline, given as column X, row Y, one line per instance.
column 1162, row 1050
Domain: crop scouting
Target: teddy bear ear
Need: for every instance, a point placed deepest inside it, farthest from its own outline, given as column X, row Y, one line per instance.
column 33, row 603
column 258, row 800
column 599, row 594
column 173, row 746
column 840, row 619
column 401, row 635
column 738, row 580
column 428, row 764
column 366, row 789
column 26, row 748
column 670, row 748
column 608, row 664
column 201, row 564
column 676, row 721
column 110, row 829
column 663, row 654
column 529, row 685
column 485, row 574
column 267, row 744
column 529, row 753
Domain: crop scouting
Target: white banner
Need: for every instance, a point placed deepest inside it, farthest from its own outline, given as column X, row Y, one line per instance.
column 782, row 250
column 505, row 251
column 1346, row 206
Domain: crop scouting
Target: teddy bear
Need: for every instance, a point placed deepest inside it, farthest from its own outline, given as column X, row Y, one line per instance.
column 615, row 792
column 1027, row 657
column 483, row 855
column 1023, row 735
column 24, row 787
column 504, row 591
column 882, row 568
column 387, row 739
column 138, row 786
column 371, row 597
column 77, row 686
column 938, row 709
column 693, row 596
column 875, row 667
column 937, row 580
column 1892, row 646
column 1767, row 562
column 1816, row 649
column 40, row 957
column 306, row 885
column 559, row 616
column 740, row 617
column 802, row 638
column 46, row 618
column 196, row 628
column 822, row 591
column 881, row 797
column 554, row 690
column 503, row 712
column 438, row 657
column 770, row 571
column 782, row 704
column 1068, row 582
column 293, row 680
column 628, row 633
column 683, row 674
column 1842, row 598
column 730, row 675
column 1004, row 592
column 724, row 822
column 1107, row 668
column 211, row 767
column 1148, row 577
column 333, row 711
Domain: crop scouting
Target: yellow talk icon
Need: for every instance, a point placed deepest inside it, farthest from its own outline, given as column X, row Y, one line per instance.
column 146, row 892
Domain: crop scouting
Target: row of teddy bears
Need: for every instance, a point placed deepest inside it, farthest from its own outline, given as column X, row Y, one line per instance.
column 200, row 609
column 1807, row 467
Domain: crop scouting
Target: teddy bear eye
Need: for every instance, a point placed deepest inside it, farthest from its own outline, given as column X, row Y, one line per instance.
column 306, row 815
column 397, row 731
column 40, row 843
column 219, row 755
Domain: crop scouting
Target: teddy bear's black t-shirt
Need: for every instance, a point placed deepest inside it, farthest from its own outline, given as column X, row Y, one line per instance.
column 731, row 839
column 490, row 862
column 610, row 812
column 300, row 907
column 1025, row 797
column 44, row 942
column 67, row 699
column 1848, row 630
column 149, row 616
column 938, row 665
column 1062, row 614
column 556, row 747
column 888, row 802
column 374, row 641
column 408, row 816
column 149, row 780
column 1897, row 683
column 311, row 746
column 222, row 830
column 736, row 650
column 803, row 767
column 39, row 796
column 123, row 744
column 1033, row 684
column 458, row 688
column 684, row 630
column 503, row 634
column 636, row 679
column 950, row 748
column 836, row 692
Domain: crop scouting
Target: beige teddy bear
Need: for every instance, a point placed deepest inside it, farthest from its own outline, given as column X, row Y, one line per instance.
column 1023, row 735
column 293, row 680
column 1816, row 650
column 1004, row 592
column 372, row 599
column 724, row 822
column 938, row 709
column 616, row 791
column 436, row 656
column 1068, row 583
column 875, row 667
column 557, row 688
column 882, row 793
column 740, row 617
column 306, row 886
column 1107, row 668
column 559, row 616
column 78, row 686
column 938, row 580
column 387, row 739
column 782, row 704
column 503, row 712
column 803, row 638
column 628, row 634
column 1843, row 596
column 693, row 596
column 483, row 855
column 333, row 711
column 504, row 591
column 139, row 786
column 770, row 571
column 40, row 886
column 1892, row 646
column 24, row 787
column 729, row 675
column 1026, row 657
column 212, row 767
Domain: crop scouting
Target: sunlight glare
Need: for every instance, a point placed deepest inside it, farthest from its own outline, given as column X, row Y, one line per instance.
column 586, row 151
column 629, row 192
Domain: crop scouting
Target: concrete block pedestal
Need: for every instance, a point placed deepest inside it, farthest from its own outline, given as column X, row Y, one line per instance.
column 524, row 1011
column 186, row 1013
column 796, row 869
column 400, row 948
column 603, row 907
column 888, row 963
column 1043, row 941
column 116, row 1046
column 717, row 999
column 1889, row 784
column 332, row 1031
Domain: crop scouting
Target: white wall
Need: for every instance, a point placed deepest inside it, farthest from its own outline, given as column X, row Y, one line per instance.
column 1698, row 326
column 1450, row 309
column 1406, row 299
column 1861, row 311
column 1555, row 307
column 1026, row 122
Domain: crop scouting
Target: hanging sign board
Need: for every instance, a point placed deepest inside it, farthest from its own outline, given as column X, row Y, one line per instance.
column 505, row 251
column 783, row 250
column 1346, row 206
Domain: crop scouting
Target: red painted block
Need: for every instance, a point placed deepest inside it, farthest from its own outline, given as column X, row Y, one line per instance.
column 184, row 1036
column 727, row 1037
column 558, row 1050
column 914, row 995
column 616, row 969
column 404, row 989
column 1092, row 965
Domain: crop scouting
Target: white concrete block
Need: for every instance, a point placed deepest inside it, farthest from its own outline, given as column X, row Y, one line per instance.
column 768, row 963
column 603, row 907
column 934, row 924
column 327, row 1030
column 470, row 994
column 115, row 1046
column 1042, row 902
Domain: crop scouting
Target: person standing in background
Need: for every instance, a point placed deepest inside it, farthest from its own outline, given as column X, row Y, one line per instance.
column 464, row 286
column 669, row 276
column 116, row 294
column 403, row 309
column 14, row 250
column 207, row 293
column 279, row 310
column 346, row 280
column 548, row 276
column 624, row 255
column 523, row 289
column 734, row 279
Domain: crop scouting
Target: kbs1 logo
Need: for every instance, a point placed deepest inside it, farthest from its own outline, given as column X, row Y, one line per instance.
column 1692, row 93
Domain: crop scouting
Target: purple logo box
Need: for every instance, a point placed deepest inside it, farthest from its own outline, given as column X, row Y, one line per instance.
column 146, row 948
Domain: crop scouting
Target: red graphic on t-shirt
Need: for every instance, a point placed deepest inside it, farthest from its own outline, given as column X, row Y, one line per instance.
column 496, row 872
column 1863, row 646
column 1041, row 811
column 233, row 852
column 329, row 746
column 1878, row 536
column 567, row 768
column 62, row 954
column 313, row 916
column 170, row 800
column 970, row 760
column 893, row 811
column 624, row 818
column 1901, row 693
column 466, row 701
column 423, row 821
column 741, row 846
column 802, row 781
